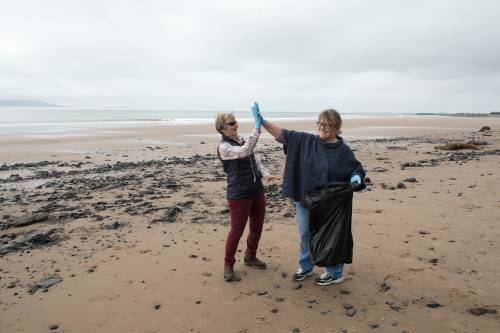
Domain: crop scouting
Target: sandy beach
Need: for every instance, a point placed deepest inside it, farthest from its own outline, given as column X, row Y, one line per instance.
column 123, row 230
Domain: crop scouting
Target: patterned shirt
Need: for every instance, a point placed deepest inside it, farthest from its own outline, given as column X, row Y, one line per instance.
column 228, row 152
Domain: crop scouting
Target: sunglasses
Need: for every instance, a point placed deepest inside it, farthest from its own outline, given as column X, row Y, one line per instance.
column 232, row 123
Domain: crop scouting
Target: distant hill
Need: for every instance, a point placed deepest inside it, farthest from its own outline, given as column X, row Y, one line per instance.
column 25, row 103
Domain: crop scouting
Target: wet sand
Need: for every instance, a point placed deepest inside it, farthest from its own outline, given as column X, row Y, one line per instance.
column 129, row 224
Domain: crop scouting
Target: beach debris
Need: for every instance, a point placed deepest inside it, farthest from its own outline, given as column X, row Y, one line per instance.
column 261, row 292
column 112, row 226
column 396, row 148
column 410, row 180
column 27, row 219
column 433, row 261
column 394, row 306
column 481, row 311
column 433, row 305
column 347, row 306
column 100, row 205
column 458, row 146
column 53, row 327
column 484, row 129
column 424, row 232
column 31, row 240
column 170, row 214
column 157, row 307
column 385, row 287
column 350, row 312
column 45, row 283
column 274, row 310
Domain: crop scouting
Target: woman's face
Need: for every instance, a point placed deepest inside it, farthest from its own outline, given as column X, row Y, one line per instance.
column 326, row 131
column 230, row 127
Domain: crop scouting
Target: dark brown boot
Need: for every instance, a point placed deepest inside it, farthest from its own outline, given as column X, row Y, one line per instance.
column 255, row 262
column 228, row 273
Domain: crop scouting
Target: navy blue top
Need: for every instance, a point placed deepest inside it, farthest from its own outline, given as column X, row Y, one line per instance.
column 312, row 162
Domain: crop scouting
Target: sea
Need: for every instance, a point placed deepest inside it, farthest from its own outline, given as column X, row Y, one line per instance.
column 64, row 121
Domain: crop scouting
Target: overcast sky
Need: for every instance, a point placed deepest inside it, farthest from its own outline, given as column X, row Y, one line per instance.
column 356, row 56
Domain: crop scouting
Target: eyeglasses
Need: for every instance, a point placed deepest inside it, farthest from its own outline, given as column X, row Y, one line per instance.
column 232, row 123
column 324, row 125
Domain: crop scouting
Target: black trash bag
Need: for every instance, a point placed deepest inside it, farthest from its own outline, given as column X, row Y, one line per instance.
column 330, row 215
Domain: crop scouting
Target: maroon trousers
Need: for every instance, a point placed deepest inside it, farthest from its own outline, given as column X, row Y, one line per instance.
column 240, row 210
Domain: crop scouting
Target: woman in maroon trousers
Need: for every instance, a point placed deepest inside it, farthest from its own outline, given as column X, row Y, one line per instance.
column 245, row 192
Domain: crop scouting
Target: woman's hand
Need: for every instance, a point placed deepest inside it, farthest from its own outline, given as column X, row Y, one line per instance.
column 257, row 118
column 270, row 178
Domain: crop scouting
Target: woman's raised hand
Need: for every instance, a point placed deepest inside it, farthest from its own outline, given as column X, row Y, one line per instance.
column 257, row 117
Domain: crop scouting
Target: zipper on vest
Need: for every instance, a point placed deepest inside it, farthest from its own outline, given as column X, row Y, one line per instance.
column 253, row 172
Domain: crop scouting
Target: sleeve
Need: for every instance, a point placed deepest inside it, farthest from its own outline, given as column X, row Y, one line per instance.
column 228, row 152
column 283, row 137
column 261, row 167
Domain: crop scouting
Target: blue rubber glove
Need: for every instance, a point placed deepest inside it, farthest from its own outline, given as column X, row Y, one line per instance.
column 356, row 179
column 257, row 118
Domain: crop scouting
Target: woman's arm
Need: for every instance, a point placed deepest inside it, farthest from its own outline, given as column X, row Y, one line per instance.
column 265, row 173
column 273, row 129
column 229, row 152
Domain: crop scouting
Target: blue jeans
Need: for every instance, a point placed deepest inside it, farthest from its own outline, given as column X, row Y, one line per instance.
column 305, row 262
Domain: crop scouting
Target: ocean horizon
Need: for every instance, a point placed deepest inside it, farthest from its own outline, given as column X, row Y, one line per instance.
column 59, row 120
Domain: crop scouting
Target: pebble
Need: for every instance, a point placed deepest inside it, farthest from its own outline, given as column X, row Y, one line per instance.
column 433, row 305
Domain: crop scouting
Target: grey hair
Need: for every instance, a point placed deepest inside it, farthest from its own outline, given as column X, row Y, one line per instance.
column 220, row 120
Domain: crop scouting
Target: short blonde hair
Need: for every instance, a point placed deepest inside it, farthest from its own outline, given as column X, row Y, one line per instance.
column 220, row 120
column 333, row 118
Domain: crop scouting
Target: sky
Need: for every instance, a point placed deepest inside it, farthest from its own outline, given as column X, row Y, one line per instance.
column 356, row 56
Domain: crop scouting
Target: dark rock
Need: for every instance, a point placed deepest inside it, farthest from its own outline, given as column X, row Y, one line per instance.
column 410, row 180
column 424, row 232
column 157, row 307
column 401, row 185
column 45, row 283
column 385, row 287
column 433, row 305
column 484, row 129
column 112, row 226
column 100, row 205
column 482, row 311
column 350, row 312
column 53, row 327
column 347, row 306
column 170, row 214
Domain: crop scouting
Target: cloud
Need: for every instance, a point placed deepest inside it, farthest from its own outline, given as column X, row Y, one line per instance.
column 290, row 55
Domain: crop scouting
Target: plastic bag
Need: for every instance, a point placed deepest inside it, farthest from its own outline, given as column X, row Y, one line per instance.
column 330, row 216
